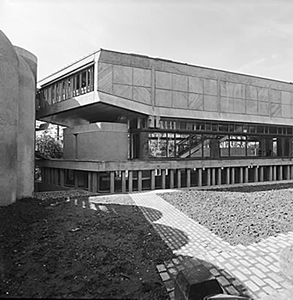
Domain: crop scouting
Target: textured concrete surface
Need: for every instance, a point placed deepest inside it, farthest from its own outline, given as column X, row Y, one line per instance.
column 253, row 270
column 17, row 121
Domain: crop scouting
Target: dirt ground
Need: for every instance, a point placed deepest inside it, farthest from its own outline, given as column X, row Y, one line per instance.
column 71, row 248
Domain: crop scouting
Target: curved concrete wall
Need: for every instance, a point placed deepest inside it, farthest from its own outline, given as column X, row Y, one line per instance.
column 17, row 120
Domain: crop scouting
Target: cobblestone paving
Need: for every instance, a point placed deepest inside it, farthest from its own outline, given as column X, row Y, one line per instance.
column 241, row 270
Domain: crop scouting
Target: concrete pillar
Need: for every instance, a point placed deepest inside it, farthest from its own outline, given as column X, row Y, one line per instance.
column 153, row 180
column 246, row 174
column 280, row 177
column 163, row 179
column 171, row 171
column 261, row 174
column 139, row 180
column 123, row 181
column 112, row 182
column 274, row 173
column 76, row 179
column 89, row 181
column 178, row 178
column 255, row 174
column 291, row 172
column 219, row 180
column 199, row 182
column 241, row 175
column 270, row 173
column 130, row 181
column 208, row 176
column 287, row 172
column 228, row 175
column 213, row 176
column 188, row 178
column 232, row 175
column 95, row 181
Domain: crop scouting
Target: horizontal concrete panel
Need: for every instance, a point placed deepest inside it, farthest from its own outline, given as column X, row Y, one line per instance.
column 275, row 96
column 163, row 98
column 180, row 100
column 105, row 78
column 210, row 103
column 251, row 107
column 286, row 111
column 141, row 77
column 276, row 110
column 286, row 98
column 142, row 94
column 226, row 89
column 210, row 87
column 195, row 85
column 251, row 92
column 263, row 108
column 195, row 101
column 179, row 82
column 239, row 106
column 227, row 105
column 122, row 75
column 239, row 91
column 163, row 80
column 124, row 91
column 263, row 94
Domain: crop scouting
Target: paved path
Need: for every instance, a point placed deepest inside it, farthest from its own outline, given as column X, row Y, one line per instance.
column 248, row 270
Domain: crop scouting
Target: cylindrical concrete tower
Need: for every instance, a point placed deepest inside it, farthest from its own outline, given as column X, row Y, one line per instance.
column 17, row 121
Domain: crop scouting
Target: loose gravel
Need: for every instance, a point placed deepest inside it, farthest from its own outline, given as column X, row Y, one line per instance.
column 238, row 217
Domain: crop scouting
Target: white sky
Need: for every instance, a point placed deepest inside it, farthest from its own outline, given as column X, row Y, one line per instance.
column 247, row 36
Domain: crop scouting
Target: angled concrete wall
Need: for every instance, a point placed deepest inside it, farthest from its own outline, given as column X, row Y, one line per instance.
column 17, row 120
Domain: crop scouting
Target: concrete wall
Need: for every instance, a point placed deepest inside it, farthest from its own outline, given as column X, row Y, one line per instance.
column 17, row 121
column 166, row 88
column 98, row 141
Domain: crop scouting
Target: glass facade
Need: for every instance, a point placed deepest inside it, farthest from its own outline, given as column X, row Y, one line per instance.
column 206, row 140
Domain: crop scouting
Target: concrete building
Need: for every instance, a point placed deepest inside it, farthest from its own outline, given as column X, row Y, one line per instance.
column 136, row 122
column 18, row 69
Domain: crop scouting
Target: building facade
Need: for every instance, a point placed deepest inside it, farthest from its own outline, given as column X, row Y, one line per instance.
column 137, row 122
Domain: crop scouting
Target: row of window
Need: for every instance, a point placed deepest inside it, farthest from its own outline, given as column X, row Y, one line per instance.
column 175, row 145
column 76, row 84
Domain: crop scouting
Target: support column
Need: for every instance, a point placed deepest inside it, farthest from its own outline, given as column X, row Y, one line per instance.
column 130, row 181
column 246, row 174
column 213, row 176
column 232, row 175
column 270, row 173
column 76, row 179
column 287, row 172
column 188, row 178
column 178, row 178
column 199, row 183
column 171, row 178
column 241, row 175
column 163, row 179
column 153, row 180
column 123, row 181
column 228, row 175
column 291, row 176
column 89, row 180
column 208, row 176
column 261, row 175
column 274, row 173
column 139, row 181
column 95, row 181
column 112, row 182
column 219, row 180
column 280, row 173
column 255, row 174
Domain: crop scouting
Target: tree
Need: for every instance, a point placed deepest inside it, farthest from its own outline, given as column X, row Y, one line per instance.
column 48, row 146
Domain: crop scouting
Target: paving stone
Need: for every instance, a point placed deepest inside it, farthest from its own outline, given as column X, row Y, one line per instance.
column 165, row 276
column 257, row 280
column 257, row 272
column 272, row 283
column 161, row 268
column 252, row 286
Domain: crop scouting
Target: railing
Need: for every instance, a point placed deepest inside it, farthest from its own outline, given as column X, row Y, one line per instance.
column 129, row 176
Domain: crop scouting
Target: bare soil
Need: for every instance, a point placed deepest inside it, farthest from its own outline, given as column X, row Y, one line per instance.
column 71, row 248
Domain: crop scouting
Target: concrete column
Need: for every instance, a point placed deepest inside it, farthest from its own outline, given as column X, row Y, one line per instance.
column 123, row 181
column 171, row 171
column 199, row 183
column 287, row 172
column 255, row 174
column 270, row 173
column 95, row 181
column 280, row 173
column 241, row 175
column 261, row 175
column 219, row 180
column 139, row 181
column 246, row 174
column 232, row 175
column 163, row 179
column 291, row 172
column 208, row 176
column 213, row 176
column 112, row 182
column 153, row 180
column 274, row 173
column 178, row 178
column 188, row 178
column 228, row 175
column 76, row 179
column 89, row 181
column 130, row 181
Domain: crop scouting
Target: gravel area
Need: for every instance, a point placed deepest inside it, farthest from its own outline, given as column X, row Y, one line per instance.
column 238, row 217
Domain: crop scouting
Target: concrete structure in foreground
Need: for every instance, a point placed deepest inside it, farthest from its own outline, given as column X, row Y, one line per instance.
column 18, row 69
column 184, row 125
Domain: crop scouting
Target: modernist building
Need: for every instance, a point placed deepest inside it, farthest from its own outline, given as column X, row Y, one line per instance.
column 136, row 122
